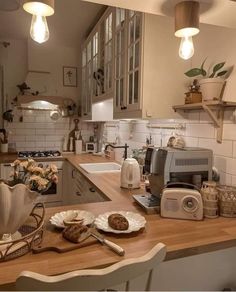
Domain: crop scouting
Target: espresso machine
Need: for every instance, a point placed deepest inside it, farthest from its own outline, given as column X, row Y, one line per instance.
column 167, row 166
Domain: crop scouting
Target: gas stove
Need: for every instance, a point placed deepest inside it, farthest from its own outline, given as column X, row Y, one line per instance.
column 39, row 154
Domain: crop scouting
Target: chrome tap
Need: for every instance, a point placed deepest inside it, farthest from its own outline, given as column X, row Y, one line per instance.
column 125, row 147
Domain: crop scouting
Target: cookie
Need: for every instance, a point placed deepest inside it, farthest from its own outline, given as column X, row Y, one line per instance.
column 118, row 222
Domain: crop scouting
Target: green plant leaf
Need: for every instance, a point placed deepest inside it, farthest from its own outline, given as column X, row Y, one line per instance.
column 204, row 73
column 194, row 72
column 203, row 63
column 221, row 73
column 217, row 67
column 212, row 75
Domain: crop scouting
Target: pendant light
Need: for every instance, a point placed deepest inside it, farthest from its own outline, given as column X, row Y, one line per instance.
column 40, row 9
column 186, row 26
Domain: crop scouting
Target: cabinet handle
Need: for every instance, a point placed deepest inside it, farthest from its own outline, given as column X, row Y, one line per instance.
column 8, row 164
column 78, row 194
column 85, row 114
column 125, row 107
column 92, row 190
column 73, row 173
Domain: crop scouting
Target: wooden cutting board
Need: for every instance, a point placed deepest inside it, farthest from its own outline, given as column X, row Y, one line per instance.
column 54, row 241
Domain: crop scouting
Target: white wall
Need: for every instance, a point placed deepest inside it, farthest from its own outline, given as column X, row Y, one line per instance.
column 51, row 58
column 15, row 64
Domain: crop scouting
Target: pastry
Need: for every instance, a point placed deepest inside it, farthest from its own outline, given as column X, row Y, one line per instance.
column 75, row 233
column 118, row 222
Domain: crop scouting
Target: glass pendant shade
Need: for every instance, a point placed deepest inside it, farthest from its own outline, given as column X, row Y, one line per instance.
column 39, row 29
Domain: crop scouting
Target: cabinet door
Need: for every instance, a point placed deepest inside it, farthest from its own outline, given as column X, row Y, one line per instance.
column 134, row 24
column 108, row 52
column 87, row 80
column 84, row 83
column 119, row 58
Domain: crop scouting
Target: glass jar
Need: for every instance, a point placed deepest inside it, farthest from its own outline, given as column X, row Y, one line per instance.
column 210, row 199
column 209, row 191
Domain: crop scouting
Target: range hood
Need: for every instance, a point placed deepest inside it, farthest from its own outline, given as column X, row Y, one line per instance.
column 41, row 102
column 41, row 93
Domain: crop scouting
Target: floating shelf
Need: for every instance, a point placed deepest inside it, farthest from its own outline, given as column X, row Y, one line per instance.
column 210, row 106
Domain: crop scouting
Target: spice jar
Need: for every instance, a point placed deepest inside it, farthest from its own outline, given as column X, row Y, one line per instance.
column 210, row 199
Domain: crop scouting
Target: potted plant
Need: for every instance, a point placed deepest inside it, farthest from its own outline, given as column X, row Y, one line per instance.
column 19, row 194
column 212, row 81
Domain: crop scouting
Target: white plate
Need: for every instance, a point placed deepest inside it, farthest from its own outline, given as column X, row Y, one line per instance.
column 57, row 219
column 136, row 222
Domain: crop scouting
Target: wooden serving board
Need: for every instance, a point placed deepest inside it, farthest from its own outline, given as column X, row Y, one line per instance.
column 54, row 241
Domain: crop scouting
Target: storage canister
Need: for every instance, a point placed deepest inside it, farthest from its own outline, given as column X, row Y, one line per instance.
column 227, row 200
column 210, row 199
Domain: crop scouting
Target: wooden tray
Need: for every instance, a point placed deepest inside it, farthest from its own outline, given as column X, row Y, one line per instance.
column 54, row 241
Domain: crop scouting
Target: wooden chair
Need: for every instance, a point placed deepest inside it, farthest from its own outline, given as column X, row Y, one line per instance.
column 96, row 279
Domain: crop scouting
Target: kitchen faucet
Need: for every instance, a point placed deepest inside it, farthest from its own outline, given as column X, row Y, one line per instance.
column 113, row 146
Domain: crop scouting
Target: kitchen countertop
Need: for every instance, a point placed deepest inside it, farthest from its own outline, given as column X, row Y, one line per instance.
column 182, row 237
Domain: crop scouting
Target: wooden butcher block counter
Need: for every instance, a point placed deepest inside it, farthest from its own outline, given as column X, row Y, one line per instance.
column 182, row 238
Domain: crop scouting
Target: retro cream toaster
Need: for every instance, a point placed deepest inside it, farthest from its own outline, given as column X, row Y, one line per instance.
column 181, row 203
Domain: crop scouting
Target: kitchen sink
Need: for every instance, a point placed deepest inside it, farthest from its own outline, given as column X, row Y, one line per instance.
column 100, row 167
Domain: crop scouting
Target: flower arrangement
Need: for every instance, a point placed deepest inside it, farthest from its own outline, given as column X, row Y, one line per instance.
column 35, row 177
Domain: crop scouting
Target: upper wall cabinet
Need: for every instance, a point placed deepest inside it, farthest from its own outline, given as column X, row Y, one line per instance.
column 148, row 72
column 97, row 64
column 132, row 58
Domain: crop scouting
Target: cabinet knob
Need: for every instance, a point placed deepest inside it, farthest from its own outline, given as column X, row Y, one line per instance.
column 78, row 194
column 92, row 190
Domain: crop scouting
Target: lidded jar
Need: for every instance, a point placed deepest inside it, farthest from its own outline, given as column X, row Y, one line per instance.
column 210, row 199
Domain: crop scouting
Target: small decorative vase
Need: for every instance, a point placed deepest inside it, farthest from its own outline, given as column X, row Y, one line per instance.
column 4, row 147
column 16, row 204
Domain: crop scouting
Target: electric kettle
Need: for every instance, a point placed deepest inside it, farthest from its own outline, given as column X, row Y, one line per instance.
column 130, row 174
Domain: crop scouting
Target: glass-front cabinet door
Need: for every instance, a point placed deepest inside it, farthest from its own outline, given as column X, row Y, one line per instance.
column 87, row 79
column 134, row 58
column 120, row 57
column 127, row 60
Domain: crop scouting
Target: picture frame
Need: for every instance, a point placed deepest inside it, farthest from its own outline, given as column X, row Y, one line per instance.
column 69, row 76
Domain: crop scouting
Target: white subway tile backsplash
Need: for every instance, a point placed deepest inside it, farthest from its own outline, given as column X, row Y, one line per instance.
column 223, row 149
column 200, row 130
column 39, row 132
column 229, row 131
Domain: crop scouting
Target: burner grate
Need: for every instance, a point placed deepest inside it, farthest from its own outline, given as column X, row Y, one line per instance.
column 36, row 154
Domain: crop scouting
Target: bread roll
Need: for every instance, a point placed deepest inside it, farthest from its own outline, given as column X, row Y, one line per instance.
column 118, row 222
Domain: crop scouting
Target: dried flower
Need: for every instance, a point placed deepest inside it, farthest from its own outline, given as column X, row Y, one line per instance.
column 35, row 177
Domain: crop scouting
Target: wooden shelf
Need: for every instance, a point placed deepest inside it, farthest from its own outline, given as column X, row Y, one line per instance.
column 209, row 107
column 201, row 105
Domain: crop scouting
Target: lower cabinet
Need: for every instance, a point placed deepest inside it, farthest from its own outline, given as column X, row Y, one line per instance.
column 77, row 189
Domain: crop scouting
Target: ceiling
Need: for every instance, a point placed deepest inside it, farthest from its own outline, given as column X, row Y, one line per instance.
column 72, row 21
column 216, row 12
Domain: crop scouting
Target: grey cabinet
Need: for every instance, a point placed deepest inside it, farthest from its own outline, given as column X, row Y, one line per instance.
column 78, row 190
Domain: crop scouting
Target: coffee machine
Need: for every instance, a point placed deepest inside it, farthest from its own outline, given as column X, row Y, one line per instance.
column 167, row 165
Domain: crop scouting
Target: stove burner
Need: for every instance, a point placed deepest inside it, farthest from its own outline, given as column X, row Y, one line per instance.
column 35, row 154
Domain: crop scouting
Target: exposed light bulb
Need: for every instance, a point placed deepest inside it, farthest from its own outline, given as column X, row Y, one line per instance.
column 39, row 29
column 186, row 49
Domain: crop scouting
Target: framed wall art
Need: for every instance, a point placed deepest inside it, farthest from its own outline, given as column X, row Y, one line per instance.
column 69, row 76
